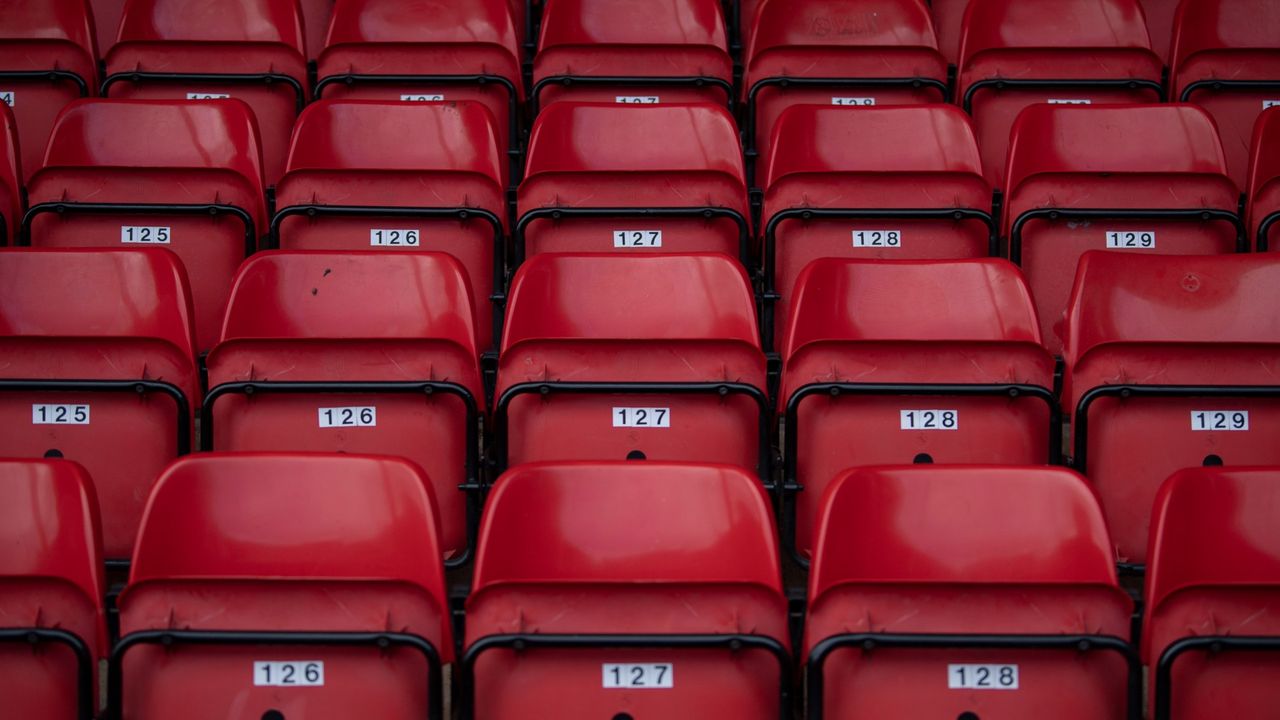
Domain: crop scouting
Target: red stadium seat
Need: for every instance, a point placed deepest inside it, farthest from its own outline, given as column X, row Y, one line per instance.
column 357, row 352
column 1015, row 53
column 1139, row 179
column 284, row 586
column 1210, row 630
column 252, row 50
column 629, row 180
column 633, row 51
column 1226, row 59
column 52, row 630
column 183, row 174
column 99, row 367
column 998, row 579
column 400, row 177
column 838, row 52
column 47, row 59
column 1264, row 181
column 1171, row 363
column 888, row 183
column 606, row 358
column 646, row 590
column 10, row 178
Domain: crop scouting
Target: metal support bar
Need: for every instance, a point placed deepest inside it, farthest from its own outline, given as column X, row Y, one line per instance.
column 135, row 76
column 567, row 81
column 1060, row 84
column 1204, row 643
column 86, row 666
column 1264, row 231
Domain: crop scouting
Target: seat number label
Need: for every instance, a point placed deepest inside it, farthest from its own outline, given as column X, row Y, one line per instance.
column 877, row 238
column 342, row 417
column 1140, row 239
column 1233, row 420
column 928, row 419
column 7, row 97
column 637, row 238
column 207, row 96
column 1266, row 104
column 982, row 677
column 288, row 673
column 638, row 676
column 393, row 238
column 1069, row 101
column 853, row 101
column 641, row 417
column 421, row 97
column 636, row 99
column 44, row 414
column 144, row 235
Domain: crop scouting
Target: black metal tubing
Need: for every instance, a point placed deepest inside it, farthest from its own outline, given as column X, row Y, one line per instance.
column 1121, row 214
column 722, row 389
column 1056, row 84
column 134, row 76
column 693, row 81
column 169, row 638
column 870, row 642
column 522, row 642
column 790, row 484
column 1264, row 230
column 458, row 213
column 82, row 208
column 1219, row 85
column 139, row 387
column 50, row 75
column 471, row 485
column 1163, row 709
column 86, row 666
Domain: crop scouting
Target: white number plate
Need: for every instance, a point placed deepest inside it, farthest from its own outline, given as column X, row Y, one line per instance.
column 393, row 238
column 637, row 238
column 1230, row 420
column 636, row 99
column 288, row 673
column 877, row 238
column 1140, row 239
column 342, row 417
column 1266, row 104
column 928, row 419
column 421, row 97
column 1068, row 101
column 638, row 417
column 7, row 97
column 853, row 101
column 638, row 676
column 982, row 677
column 59, row 414
column 207, row 96
column 144, row 235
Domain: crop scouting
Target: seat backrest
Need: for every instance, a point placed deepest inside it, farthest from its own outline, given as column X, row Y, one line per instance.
column 587, row 24
column 1019, row 28
column 455, row 25
column 259, row 22
column 1264, row 178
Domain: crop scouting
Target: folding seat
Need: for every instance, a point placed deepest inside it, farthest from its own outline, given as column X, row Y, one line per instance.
column 47, row 59
column 252, row 50
column 284, row 586
column 998, row 579
column 1137, row 178
column 356, row 352
column 1226, row 59
column 182, row 174
column 887, row 183
column 10, row 178
column 427, row 50
column 838, row 52
column 1015, row 53
column 1171, row 363
column 623, row 589
column 653, row 356
column 1264, row 181
column 396, row 176
column 99, row 367
column 1210, row 628
column 915, row 361
column 633, row 51
column 602, row 178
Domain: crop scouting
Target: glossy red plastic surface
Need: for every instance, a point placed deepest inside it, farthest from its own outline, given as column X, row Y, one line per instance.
column 1159, row 14
column 106, row 22
column 98, row 315
column 285, row 542
column 1149, row 157
column 948, row 15
column 1264, row 176
column 1005, row 551
column 626, row 548
column 316, row 16
column 10, row 176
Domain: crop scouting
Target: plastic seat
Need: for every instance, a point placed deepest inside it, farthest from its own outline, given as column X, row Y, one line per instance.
column 999, row 579
column 1171, row 363
column 358, row 352
column 838, row 52
column 10, row 178
column 428, row 50
column 643, row 589
column 1015, row 53
column 1226, row 59
column 400, row 177
column 252, row 50
column 633, row 51
column 609, row 358
column 633, row 180
column 913, row 361
column 1141, row 179
column 1264, row 182
column 99, row 367
column 1210, row 631
column 183, row 174
column 52, row 626
column 258, row 572
column 884, row 183
column 47, row 59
